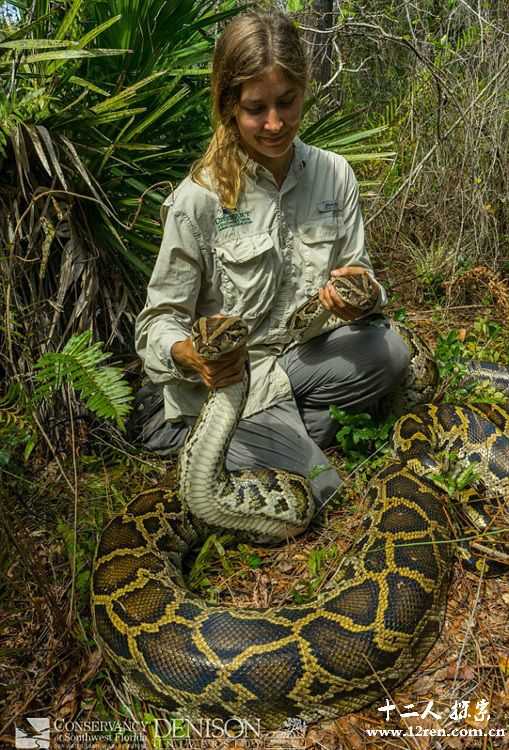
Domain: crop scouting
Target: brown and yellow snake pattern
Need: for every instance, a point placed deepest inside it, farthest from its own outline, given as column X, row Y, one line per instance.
column 371, row 629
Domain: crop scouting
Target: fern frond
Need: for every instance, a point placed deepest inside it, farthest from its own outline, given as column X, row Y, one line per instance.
column 11, row 418
column 80, row 364
column 16, row 425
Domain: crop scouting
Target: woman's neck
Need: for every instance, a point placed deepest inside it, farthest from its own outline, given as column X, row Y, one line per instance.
column 278, row 167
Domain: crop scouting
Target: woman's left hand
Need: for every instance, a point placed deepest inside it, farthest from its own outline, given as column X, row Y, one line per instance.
column 332, row 301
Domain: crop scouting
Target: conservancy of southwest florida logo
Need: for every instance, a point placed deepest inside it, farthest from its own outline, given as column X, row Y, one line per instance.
column 230, row 218
column 34, row 734
column 37, row 736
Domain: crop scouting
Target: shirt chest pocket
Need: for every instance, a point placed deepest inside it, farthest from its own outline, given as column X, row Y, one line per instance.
column 319, row 245
column 249, row 269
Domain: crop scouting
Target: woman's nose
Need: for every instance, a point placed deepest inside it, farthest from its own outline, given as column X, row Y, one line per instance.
column 273, row 121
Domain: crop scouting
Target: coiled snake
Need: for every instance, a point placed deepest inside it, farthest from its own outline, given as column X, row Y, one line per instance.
column 357, row 640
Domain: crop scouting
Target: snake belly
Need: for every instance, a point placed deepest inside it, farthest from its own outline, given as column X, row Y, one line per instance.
column 377, row 621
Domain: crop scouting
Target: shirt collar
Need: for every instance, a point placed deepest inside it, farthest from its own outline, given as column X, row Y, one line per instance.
column 255, row 170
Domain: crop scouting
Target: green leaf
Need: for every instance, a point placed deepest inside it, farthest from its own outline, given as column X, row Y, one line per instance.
column 88, row 85
column 119, row 100
column 91, row 35
column 400, row 315
column 68, row 19
column 254, row 561
column 298, row 598
column 80, row 364
column 5, row 457
column 157, row 114
column 316, row 470
column 20, row 44
column 74, row 54
column 190, row 72
column 112, row 116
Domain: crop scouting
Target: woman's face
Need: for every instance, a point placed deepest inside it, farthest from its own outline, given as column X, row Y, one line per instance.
column 268, row 116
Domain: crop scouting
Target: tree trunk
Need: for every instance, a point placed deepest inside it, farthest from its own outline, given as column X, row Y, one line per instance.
column 323, row 16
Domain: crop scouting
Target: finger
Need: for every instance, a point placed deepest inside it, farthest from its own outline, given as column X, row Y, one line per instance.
column 335, row 298
column 339, row 306
column 348, row 271
column 224, row 368
column 331, row 299
column 222, row 361
column 324, row 298
column 213, row 377
column 216, row 366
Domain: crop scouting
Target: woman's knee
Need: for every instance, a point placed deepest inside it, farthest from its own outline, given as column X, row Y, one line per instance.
column 393, row 358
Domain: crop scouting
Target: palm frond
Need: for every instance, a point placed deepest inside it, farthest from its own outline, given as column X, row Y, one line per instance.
column 103, row 107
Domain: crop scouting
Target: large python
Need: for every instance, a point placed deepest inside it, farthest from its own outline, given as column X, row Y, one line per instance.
column 364, row 635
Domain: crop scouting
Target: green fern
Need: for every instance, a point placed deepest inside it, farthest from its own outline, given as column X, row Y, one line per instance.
column 16, row 426
column 103, row 389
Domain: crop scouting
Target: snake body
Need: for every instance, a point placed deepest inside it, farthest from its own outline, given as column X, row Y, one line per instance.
column 359, row 639
column 268, row 505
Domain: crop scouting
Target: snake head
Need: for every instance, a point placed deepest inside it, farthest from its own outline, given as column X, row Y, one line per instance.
column 358, row 290
column 217, row 335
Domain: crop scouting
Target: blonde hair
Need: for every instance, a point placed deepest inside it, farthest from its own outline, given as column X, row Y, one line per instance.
column 250, row 43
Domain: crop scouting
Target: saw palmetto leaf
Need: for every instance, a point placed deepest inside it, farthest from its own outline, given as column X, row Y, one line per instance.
column 86, row 88
column 103, row 108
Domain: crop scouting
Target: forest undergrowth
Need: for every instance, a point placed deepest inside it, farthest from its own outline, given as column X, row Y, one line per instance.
column 430, row 144
column 52, row 518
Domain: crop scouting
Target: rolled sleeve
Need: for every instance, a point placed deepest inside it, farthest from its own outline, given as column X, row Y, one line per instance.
column 352, row 244
column 171, row 298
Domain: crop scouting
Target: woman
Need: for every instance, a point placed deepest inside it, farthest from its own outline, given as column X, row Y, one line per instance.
column 259, row 225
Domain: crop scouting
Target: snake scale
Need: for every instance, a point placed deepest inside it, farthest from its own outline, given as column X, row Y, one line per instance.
column 360, row 638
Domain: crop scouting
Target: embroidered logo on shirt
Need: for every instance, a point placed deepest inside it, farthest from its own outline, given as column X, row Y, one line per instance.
column 232, row 219
column 326, row 206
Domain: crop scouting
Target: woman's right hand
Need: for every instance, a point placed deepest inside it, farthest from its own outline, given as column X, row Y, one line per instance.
column 217, row 373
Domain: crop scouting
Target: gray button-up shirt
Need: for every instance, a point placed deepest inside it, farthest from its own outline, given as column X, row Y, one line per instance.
column 260, row 261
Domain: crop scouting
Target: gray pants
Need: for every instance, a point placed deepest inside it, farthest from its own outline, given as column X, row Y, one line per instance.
column 352, row 367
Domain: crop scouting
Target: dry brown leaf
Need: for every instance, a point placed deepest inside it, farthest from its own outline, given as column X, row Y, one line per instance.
column 67, row 703
column 262, row 589
column 281, row 741
column 456, row 743
column 418, row 742
column 318, row 738
column 92, row 666
column 464, row 673
column 425, row 685
column 503, row 664
column 440, row 675
column 503, row 699
column 351, row 730
column 472, row 717
column 285, row 567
